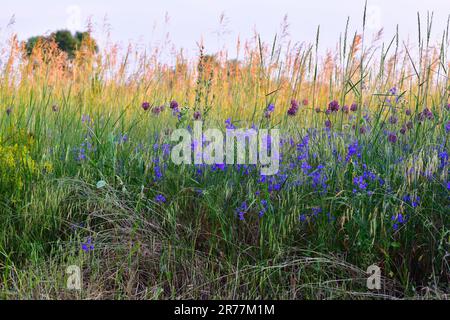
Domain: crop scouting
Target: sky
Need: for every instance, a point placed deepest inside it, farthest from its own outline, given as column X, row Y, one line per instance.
column 147, row 22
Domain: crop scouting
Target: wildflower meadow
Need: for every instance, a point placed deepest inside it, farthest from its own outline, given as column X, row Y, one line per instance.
column 360, row 179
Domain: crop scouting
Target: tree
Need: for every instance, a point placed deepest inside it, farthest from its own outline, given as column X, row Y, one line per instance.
column 65, row 40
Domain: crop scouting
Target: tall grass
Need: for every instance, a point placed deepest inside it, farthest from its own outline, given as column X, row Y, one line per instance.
column 82, row 160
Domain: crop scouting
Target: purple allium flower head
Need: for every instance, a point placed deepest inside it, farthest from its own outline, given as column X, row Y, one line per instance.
column 197, row 115
column 294, row 108
column 392, row 137
column 294, row 103
column 229, row 124
column 270, row 108
column 447, row 127
column 425, row 114
column 420, row 117
column 360, row 182
column 398, row 220
column 328, row 124
column 408, row 112
column 221, row 166
column 241, row 210
column 362, row 130
column 345, row 109
column 354, row 107
column 333, row 106
column 145, row 105
column 393, row 119
column 393, row 91
column 428, row 113
column 173, row 104
column 403, row 130
column 156, row 110
column 409, row 125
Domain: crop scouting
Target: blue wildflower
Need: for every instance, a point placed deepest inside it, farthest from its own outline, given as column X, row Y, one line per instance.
column 242, row 210
column 263, row 210
column 88, row 245
column 229, row 124
column 302, row 218
column 360, row 182
column 353, row 149
column 398, row 220
column 412, row 201
column 160, row 199
column 393, row 91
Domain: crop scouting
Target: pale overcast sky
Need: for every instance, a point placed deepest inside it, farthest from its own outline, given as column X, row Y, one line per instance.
column 144, row 21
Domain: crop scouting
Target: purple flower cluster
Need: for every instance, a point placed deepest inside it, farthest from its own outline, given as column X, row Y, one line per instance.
column 158, row 110
column 333, row 106
column 314, row 214
column 392, row 137
column 197, row 115
column 269, row 110
column 426, row 114
column 229, row 124
column 174, row 106
column 398, row 220
column 294, row 108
